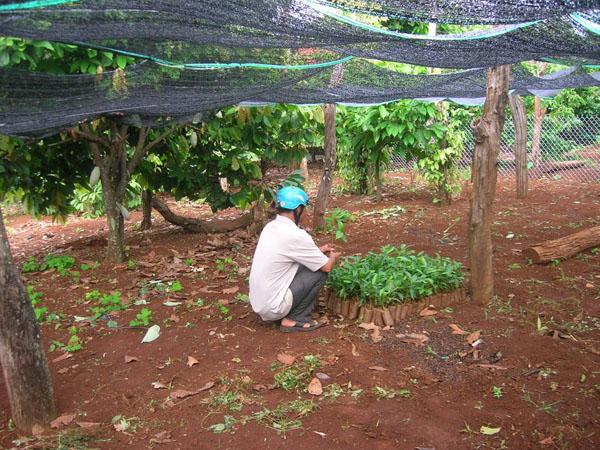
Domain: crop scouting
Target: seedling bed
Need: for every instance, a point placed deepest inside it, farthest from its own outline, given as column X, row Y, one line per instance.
column 393, row 314
column 386, row 287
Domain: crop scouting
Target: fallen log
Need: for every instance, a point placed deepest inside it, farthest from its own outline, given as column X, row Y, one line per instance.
column 555, row 166
column 564, row 247
column 199, row 225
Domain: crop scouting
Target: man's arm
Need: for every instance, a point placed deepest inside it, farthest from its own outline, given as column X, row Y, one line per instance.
column 333, row 258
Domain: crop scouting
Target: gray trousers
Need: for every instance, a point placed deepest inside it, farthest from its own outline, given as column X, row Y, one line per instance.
column 305, row 289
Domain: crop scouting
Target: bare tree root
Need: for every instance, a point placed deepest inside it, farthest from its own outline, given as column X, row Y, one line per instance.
column 202, row 226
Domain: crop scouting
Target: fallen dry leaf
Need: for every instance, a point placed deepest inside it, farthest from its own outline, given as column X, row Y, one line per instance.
column 164, row 437
column 376, row 336
column 457, row 330
column 231, row 290
column 63, row 371
column 37, row 430
column 158, row 385
column 413, row 338
column 120, row 425
column 174, row 318
column 62, row 357
column 428, row 311
column 315, row 387
column 354, row 352
column 206, row 386
column 285, row 359
column 65, row 419
column 182, row 394
column 129, row 359
column 89, row 425
column 368, row 326
column 191, row 361
column 473, row 337
column 378, row 368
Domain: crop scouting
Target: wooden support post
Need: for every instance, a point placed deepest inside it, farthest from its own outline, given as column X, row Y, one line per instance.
column 517, row 107
column 486, row 132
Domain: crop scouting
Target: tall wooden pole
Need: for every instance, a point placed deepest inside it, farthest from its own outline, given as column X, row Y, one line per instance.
column 21, row 352
column 329, row 162
column 486, row 132
column 517, row 108
column 330, row 159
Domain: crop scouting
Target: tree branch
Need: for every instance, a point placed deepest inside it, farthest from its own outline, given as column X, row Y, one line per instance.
column 140, row 150
column 87, row 133
column 96, row 154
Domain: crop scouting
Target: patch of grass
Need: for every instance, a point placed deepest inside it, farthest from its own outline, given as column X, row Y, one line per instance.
column 285, row 417
column 540, row 405
column 296, row 376
column 385, row 393
column 232, row 394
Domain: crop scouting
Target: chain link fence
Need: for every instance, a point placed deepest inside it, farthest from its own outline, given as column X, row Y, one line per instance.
column 560, row 148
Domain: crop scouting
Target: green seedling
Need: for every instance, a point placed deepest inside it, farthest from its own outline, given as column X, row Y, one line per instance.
column 73, row 344
column 497, row 391
column 142, row 319
column 335, row 223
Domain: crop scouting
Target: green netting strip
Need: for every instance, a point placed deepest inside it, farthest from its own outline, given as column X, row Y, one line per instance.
column 34, row 4
column 209, row 66
column 330, row 12
column 587, row 24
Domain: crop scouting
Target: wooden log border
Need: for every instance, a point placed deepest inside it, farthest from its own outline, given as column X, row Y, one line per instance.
column 395, row 313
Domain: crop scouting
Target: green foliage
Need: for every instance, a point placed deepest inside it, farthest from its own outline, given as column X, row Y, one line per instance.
column 437, row 162
column 395, row 275
column 335, row 223
column 36, row 298
column 285, row 417
column 368, row 136
column 296, row 376
column 60, row 263
column 385, row 393
column 57, row 58
column 88, row 200
column 73, row 344
column 236, row 144
column 142, row 319
column 110, row 302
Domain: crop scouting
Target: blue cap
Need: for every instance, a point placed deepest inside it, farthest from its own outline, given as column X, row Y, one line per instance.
column 289, row 197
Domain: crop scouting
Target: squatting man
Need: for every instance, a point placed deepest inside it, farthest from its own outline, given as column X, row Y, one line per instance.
column 288, row 269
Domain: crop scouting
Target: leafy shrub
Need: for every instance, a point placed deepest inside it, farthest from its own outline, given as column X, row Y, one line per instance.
column 396, row 275
column 58, row 262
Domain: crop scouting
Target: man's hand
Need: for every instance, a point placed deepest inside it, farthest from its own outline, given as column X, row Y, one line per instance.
column 333, row 259
column 326, row 248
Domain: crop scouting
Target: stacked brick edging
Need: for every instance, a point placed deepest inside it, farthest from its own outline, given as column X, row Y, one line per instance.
column 393, row 314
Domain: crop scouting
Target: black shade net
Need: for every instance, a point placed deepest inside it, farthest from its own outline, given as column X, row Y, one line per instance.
column 465, row 11
column 264, row 31
column 218, row 37
column 35, row 104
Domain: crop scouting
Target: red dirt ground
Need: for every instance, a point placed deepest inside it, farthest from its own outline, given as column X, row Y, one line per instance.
column 545, row 320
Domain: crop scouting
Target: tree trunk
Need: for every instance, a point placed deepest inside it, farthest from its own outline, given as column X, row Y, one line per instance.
column 115, row 251
column 303, row 166
column 146, row 210
column 329, row 162
column 517, row 108
column 22, row 355
column 538, row 119
column 198, row 225
column 486, row 132
column 378, row 182
column 564, row 247
column 115, row 173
